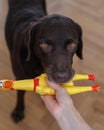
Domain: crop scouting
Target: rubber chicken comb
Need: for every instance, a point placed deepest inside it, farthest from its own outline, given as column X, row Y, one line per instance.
column 40, row 86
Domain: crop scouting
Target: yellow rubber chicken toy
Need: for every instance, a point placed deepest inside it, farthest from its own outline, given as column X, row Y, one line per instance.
column 40, row 86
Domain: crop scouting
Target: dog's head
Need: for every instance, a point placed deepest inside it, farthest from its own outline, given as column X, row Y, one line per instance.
column 55, row 39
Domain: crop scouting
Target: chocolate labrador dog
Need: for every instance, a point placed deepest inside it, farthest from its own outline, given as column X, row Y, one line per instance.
column 40, row 43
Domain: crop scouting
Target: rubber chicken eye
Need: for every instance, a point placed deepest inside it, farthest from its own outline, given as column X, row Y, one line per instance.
column 43, row 45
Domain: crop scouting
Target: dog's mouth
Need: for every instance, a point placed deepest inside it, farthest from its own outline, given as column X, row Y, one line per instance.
column 61, row 78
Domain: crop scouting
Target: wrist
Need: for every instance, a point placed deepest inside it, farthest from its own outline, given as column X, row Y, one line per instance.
column 65, row 118
column 71, row 120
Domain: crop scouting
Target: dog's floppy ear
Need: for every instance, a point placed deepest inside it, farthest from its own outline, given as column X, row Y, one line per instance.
column 80, row 43
column 27, row 34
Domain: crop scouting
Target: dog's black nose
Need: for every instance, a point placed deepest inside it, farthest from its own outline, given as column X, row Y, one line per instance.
column 61, row 77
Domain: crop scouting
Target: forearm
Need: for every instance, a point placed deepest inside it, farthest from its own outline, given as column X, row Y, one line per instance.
column 71, row 121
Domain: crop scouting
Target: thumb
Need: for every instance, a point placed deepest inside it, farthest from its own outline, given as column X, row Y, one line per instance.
column 61, row 94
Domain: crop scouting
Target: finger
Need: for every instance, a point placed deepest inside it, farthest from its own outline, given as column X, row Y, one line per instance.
column 53, row 85
column 50, row 103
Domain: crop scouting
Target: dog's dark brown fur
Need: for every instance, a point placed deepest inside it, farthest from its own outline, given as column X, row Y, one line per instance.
column 40, row 43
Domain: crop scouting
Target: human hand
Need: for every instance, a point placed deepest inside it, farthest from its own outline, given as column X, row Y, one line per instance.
column 62, row 108
column 56, row 104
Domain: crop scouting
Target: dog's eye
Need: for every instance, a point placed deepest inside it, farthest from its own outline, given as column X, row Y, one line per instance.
column 43, row 45
column 71, row 46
